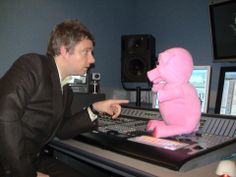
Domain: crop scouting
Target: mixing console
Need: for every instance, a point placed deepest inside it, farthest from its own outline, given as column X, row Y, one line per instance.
column 132, row 122
column 215, row 139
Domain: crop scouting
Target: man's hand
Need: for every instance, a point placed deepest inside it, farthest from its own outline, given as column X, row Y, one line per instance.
column 111, row 107
column 39, row 174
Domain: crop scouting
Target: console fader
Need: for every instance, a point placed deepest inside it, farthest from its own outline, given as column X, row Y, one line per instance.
column 215, row 139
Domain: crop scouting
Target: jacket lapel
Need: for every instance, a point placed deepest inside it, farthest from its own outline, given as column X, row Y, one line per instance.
column 57, row 97
column 57, row 100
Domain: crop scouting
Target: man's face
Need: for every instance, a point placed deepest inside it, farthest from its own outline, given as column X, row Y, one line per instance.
column 81, row 58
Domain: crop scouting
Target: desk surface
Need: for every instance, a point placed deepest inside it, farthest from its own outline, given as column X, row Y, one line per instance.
column 126, row 165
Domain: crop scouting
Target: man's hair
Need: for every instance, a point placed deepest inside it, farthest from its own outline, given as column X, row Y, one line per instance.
column 67, row 33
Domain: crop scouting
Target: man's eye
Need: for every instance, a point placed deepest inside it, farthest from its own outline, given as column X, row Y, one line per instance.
column 85, row 52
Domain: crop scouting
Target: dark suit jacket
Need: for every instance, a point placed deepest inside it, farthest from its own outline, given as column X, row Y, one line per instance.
column 33, row 111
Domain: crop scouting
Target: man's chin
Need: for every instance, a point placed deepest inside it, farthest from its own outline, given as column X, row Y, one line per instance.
column 83, row 72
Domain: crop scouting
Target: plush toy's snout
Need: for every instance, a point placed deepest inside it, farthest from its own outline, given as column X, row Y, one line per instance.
column 154, row 75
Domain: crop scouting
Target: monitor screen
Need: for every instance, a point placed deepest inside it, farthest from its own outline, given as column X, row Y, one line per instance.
column 79, row 84
column 223, row 28
column 77, row 80
column 226, row 95
column 200, row 79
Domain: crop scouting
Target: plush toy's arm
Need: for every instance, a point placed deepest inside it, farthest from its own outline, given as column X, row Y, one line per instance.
column 170, row 94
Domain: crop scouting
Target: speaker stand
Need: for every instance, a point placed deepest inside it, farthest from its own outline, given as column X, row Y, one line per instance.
column 138, row 96
column 138, row 90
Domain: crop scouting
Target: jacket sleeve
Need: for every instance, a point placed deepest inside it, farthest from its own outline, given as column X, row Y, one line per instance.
column 16, row 86
column 74, row 124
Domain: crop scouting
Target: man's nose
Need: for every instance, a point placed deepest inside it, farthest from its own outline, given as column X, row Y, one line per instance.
column 91, row 59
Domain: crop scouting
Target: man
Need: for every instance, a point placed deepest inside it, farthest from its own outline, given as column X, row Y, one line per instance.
column 35, row 106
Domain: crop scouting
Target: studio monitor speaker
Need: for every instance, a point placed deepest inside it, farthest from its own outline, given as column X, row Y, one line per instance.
column 137, row 57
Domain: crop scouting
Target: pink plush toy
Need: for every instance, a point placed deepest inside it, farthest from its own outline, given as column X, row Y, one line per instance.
column 178, row 101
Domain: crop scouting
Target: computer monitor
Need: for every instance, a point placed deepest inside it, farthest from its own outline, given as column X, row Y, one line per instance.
column 200, row 79
column 226, row 94
column 77, row 80
column 223, row 29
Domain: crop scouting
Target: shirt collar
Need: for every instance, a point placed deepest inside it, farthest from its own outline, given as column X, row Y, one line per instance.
column 64, row 81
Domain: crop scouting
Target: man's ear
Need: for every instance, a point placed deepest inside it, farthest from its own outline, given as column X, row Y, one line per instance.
column 63, row 51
